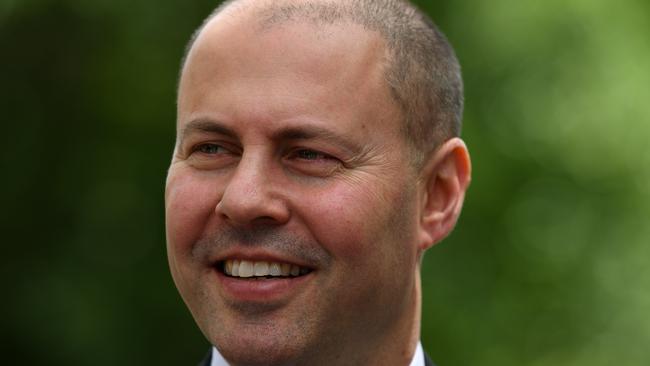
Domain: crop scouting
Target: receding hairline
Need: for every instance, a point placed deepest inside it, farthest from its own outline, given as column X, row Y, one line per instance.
column 421, row 70
column 268, row 14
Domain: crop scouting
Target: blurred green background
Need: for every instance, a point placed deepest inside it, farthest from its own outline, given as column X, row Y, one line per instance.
column 550, row 262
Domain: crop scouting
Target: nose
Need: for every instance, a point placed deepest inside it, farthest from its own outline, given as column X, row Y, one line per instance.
column 251, row 196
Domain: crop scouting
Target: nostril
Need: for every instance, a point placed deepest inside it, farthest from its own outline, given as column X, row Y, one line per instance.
column 265, row 220
column 249, row 198
column 253, row 212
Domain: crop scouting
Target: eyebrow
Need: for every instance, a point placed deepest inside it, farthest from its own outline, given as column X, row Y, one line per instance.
column 303, row 132
column 204, row 126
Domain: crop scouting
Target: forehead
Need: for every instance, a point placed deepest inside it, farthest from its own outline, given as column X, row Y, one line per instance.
column 241, row 39
column 275, row 70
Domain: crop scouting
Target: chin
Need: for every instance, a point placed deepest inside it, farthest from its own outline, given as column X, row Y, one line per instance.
column 261, row 334
column 259, row 350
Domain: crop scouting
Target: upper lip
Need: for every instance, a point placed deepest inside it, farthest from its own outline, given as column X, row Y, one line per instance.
column 258, row 255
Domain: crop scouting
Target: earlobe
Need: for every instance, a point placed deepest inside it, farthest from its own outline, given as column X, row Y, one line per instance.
column 444, row 180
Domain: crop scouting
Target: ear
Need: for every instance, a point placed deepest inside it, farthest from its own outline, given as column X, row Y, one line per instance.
column 444, row 178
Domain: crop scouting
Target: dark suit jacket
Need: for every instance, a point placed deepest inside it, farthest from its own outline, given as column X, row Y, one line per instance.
column 208, row 358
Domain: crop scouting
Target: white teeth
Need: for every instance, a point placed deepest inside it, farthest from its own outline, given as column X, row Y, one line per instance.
column 244, row 268
column 235, row 268
column 261, row 268
column 275, row 270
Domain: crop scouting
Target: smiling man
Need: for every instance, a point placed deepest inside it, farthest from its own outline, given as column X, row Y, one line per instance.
column 317, row 158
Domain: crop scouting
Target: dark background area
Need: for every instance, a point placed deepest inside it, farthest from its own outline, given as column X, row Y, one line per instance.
column 549, row 264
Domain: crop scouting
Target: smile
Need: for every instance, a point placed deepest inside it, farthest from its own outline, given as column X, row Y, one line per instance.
column 261, row 269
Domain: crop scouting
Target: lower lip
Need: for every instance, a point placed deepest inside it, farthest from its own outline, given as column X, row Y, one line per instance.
column 266, row 290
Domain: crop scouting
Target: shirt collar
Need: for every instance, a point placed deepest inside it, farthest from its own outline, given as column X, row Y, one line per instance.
column 217, row 359
column 418, row 357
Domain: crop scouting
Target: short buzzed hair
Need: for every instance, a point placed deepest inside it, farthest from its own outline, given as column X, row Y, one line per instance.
column 423, row 72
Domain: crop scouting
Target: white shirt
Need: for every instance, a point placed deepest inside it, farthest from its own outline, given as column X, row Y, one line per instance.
column 418, row 357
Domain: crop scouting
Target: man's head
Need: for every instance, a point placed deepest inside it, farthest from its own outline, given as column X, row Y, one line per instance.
column 302, row 148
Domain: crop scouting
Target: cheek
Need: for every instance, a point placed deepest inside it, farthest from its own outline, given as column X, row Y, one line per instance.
column 370, row 237
column 189, row 203
column 351, row 222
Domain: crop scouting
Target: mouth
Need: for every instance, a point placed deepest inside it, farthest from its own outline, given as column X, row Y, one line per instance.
column 261, row 278
column 260, row 270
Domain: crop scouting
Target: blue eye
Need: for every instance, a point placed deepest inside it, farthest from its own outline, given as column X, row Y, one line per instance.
column 210, row 149
column 310, row 162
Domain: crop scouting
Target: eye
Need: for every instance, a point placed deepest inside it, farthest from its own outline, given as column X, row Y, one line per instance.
column 213, row 155
column 312, row 162
column 307, row 154
column 210, row 149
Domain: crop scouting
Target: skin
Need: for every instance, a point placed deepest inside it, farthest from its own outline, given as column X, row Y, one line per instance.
column 289, row 145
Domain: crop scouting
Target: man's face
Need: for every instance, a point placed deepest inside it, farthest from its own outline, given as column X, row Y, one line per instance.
column 290, row 159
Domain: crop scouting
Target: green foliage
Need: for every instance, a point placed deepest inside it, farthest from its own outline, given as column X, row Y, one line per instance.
column 549, row 264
